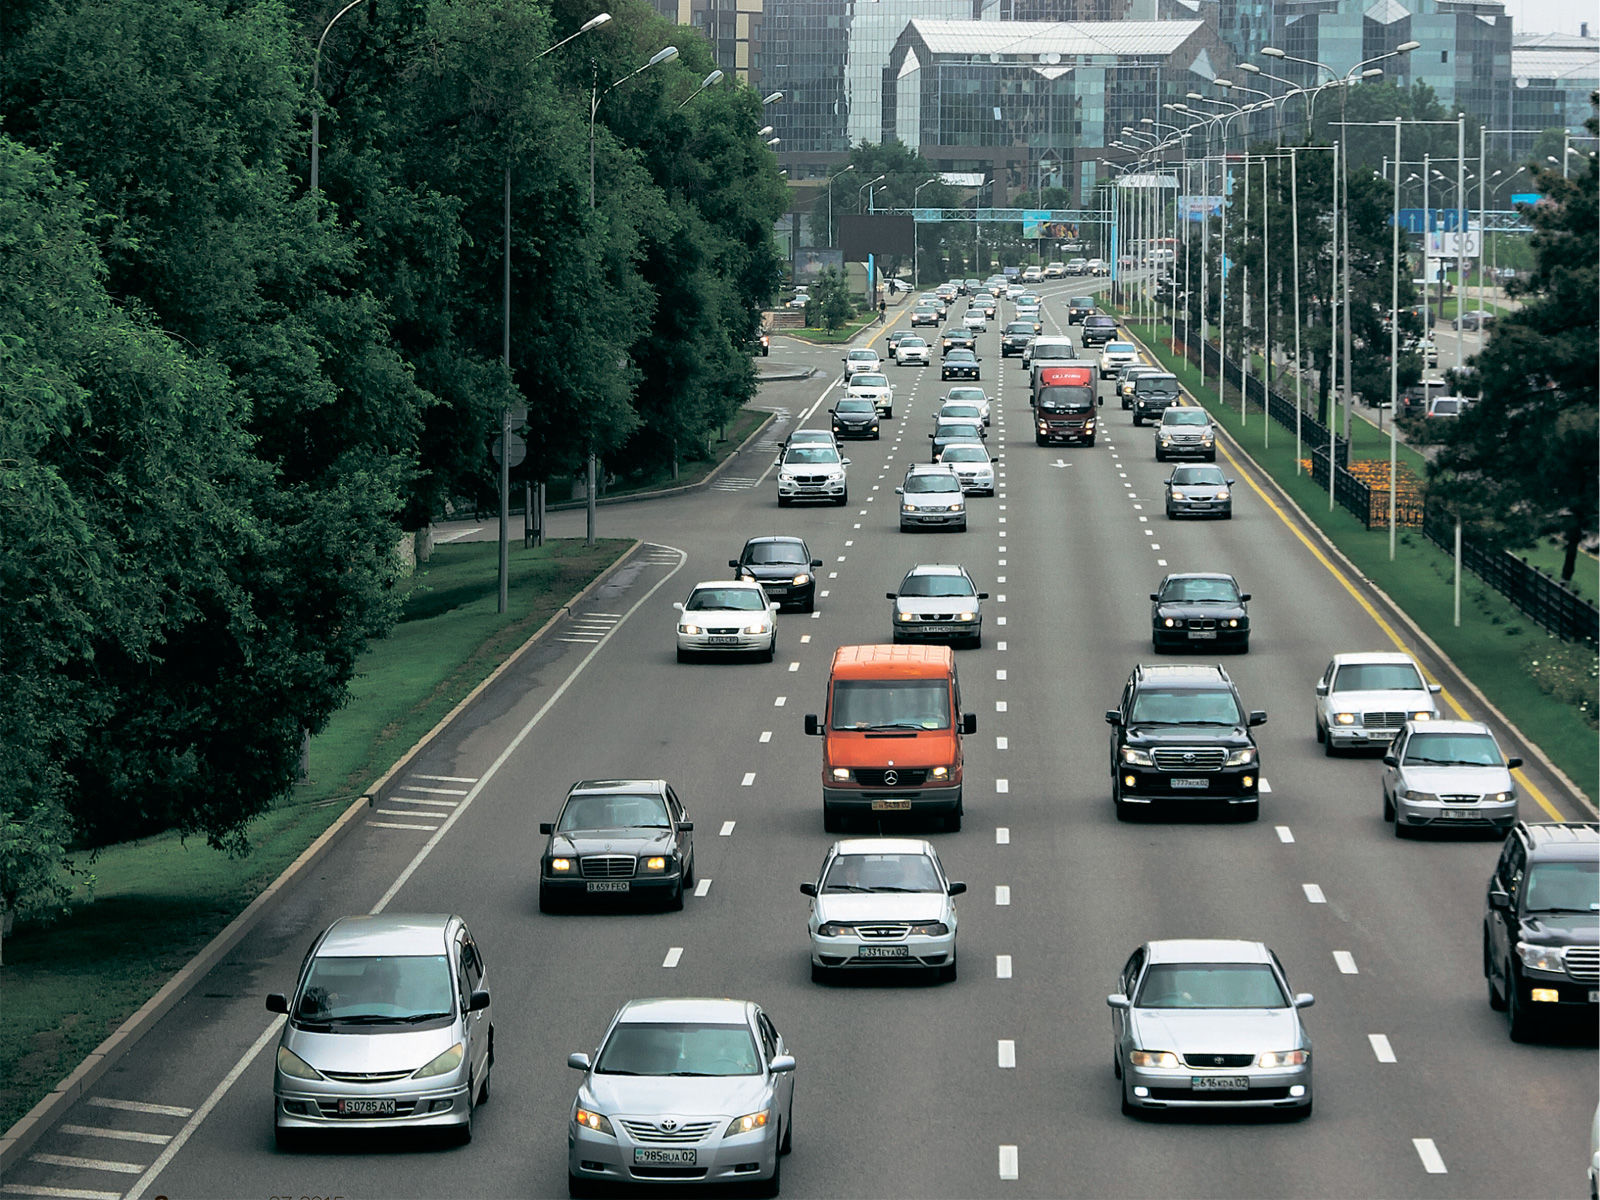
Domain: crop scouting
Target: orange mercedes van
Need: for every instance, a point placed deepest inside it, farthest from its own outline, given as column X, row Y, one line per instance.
column 891, row 734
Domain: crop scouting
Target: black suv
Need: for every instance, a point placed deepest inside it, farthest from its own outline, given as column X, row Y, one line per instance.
column 1098, row 329
column 1541, row 930
column 1182, row 735
column 1078, row 308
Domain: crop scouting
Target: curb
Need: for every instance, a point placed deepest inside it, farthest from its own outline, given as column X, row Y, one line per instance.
column 681, row 489
column 1395, row 610
column 17, row 1140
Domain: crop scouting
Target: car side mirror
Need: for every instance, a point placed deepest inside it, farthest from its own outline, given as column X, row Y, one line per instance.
column 1101, row 401
column 782, row 1064
column 957, row 888
column 547, row 827
column 1230, row 483
column 969, row 723
column 1113, row 717
column 277, row 1002
column 891, row 596
column 930, row 437
column 1243, row 596
column 578, row 1062
column 1434, row 689
column 478, row 1001
column 1304, row 999
column 983, row 595
column 1258, row 716
column 902, row 491
column 816, row 562
column 844, row 462
column 1119, row 1001
column 1322, row 689
column 678, row 604
column 685, row 826
column 1155, row 595
column 813, row 726
column 808, row 889
column 1513, row 763
column 772, row 606
column 1391, row 760
column 1499, row 900
column 734, row 563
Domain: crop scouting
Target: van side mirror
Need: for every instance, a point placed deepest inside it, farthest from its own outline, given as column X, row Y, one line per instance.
column 969, row 723
column 1258, row 716
column 956, row 888
column 808, row 889
column 1513, row 763
column 547, row 827
column 277, row 1002
column 813, row 726
column 478, row 1001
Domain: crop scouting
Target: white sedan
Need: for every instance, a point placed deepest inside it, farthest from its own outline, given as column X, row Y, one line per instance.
column 972, row 465
column 1116, row 355
column 874, row 386
column 882, row 902
column 861, row 360
column 911, row 350
column 967, row 394
column 976, row 319
column 728, row 617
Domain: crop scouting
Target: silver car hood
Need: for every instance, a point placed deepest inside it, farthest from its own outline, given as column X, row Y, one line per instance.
column 852, row 907
column 664, row 1095
column 1453, row 781
column 1216, row 1030
column 940, row 500
column 1408, row 700
column 937, row 604
column 371, row 1049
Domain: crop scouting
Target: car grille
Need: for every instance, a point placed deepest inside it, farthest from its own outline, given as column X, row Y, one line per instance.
column 907, row 777
column 1190, row 758
column 1583, row 963
column 607, row 866
column 1219, row 1060
column 933, row 617
column 651, row 1131
column 810, row 480
column 721, row 632
column 1383, row 720
column 330, row 1109
column 882, row 933
column 366, row 1076
column 1474, row 798
column 1199, row 623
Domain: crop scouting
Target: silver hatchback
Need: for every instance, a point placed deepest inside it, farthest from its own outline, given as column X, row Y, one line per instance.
column 389, row 1029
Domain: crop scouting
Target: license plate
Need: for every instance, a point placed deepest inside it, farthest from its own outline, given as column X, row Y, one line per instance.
column 1219, row 1083
column 883, row 952
column 671, row 1158
column 366, row 1108
column 891, row 805
column 937, row 629
column 1456, row 814
column 609, row 885
column 1191, row 783
column 722, row 641
column 1200, row 634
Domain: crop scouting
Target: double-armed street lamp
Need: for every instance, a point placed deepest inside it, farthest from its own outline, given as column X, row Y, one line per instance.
column 916, row 246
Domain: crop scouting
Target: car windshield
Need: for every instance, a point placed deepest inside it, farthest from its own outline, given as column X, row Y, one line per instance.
column 1204, row 589
column 1453, row 750
column 813, row 454
column 961, row 452
column 1186, row 706
column 931, row 482
column 874, row 704
column 613, row 812
column 708, row 599
column 1199, row 476
column 968, row 395
column 776, row 552
column 377, row 990
column 1119, row 347
column 1556, row 887
column 912, row 343
column 936, row 585
column 678, row 1048
column 1099, row 322
column 1378, row 677
column 868, row 379
column 1022, row 327
column 881, row 873
column 856, row 406
column 969, row 411
column 960, row 356
column 1082, row 302
column 1044, row 351
column 870, row 356
column 1176, row 416
column 946, row 430
column 1211, row 985
column 819, row 437
column 1071, row 397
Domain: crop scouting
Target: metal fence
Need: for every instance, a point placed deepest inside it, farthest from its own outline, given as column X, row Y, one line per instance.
column 1541, row 597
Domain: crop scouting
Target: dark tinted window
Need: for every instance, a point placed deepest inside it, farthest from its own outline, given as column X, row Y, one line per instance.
column 891, row 704
column 1211, row 985
column 776, row 552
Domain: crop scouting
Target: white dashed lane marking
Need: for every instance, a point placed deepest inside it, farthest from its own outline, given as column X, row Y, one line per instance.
column 1346, row 962
column 1284, row 835
column 780, row 701
column 1002, row 785
column 702, row 887
column 1313, row 893
column 749, row 778
column 766, row 735
column 1381, row 1048
column 673, row 955
column 1006, row 1056
column 1008, row 1162
column 727, row 829
column 1002, row 894
column 1002, row 836
column 1001, row 743
column 1432, row 1161
column 1002, row 966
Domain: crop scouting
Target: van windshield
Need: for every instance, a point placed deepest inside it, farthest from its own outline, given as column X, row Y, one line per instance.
column 1067, row 398
column 1044, row 352
column 378, row 990
column 868, row 704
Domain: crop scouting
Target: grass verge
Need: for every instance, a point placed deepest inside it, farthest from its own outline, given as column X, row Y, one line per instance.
column 158, row 901
column 833, row 337
column 693, row 471
column 1498, row 648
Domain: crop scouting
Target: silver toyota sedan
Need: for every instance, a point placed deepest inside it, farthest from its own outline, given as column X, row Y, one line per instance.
column 682, row 1091
column 1209, row 1023
column 1448, row 775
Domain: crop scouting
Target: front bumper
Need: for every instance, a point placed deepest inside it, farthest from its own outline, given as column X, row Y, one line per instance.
column 867, row 430
column 730, row 643
column 977, row 484
column 1175, row 449
column 1201, row 639
column 919, row 357
column 1358, row 737
column 958, row 372
column 1149, row 785
column 933, row 520
column 1174, row 1087
column 1200, row 508
column 1065, row 431
column 937, row 631
column 857, row 800
column 1571, row 997
column 1447, row 814
column 916, row 952
column 831, row 490
column 301, row 1104
column 717, row 1159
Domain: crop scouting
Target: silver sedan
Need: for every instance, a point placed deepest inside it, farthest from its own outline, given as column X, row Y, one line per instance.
column 682, row 1091
column 1448, row 775
column 1209, row 1023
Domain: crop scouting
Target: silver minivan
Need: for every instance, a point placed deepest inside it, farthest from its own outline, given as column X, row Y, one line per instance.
column 389, row 1029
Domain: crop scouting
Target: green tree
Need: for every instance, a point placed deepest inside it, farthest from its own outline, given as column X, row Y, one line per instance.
column 1521, row 462
column 830, row 305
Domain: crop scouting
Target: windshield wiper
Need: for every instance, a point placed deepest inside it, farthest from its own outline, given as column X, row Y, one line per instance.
column 1432, row 762
column 376, row 1019
column 1561, row 908
column 845, row 887
column 891, row 725
column 892, row 888
column 695, row 1074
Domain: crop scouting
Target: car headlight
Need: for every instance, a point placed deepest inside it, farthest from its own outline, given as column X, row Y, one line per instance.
column 1233, row 623
column 561, row 866
column 835, row 929
column 908, row 507
column 1344, row 718
column 785, row 477
column 1152, row 1058
column 931, row 929
column 1542, row 958
column 967, row 616
column 1422, row 716
column 1134, row 757
column 1282, row 1058
column 1417, row 797
column 905, row 616
column 1501, row 797
column 939, row 773
column 748, row 1123
column 841, row 772
column 1172, row 624
column 801, row 579
column 1166, row 438
column 1242, row 757
column 1222, row 493
column 593, row 1120
column 655, row 864
column 1043, row 428
column 956, row 507
column 443, row 1064
column 758, row 627
column 691, row 630
column 294, row 1066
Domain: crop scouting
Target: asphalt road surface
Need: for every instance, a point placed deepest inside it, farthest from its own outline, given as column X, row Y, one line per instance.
column 1000, row 1083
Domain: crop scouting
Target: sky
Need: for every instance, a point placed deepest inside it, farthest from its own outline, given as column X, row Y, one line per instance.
column 1554, row 16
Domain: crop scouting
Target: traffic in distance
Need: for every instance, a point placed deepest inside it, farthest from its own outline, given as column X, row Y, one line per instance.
column 894, row 774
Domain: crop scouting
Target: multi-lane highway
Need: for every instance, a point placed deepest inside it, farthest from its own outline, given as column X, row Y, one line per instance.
column 1000, row 1083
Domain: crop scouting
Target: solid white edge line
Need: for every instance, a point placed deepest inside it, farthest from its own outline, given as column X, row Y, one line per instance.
column 26, row 1189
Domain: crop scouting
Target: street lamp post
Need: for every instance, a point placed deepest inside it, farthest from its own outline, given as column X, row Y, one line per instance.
column 316, row 76
column 714, row 77
column 867, row 187
column 666, row 54
column 831, row 178
column 916, row 246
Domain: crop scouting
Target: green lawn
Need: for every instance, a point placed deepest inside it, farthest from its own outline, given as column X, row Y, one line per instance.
column 154, row 903
column 692, row 470
column 833, row 337
column 1503, row 652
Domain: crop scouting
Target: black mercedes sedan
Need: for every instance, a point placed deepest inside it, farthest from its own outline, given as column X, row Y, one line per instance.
column 614, row 839
column 1201, row 609
column 784, row 568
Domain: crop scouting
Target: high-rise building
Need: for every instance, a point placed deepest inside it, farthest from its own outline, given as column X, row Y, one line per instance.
column 1552, row 76
column 733, row 27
